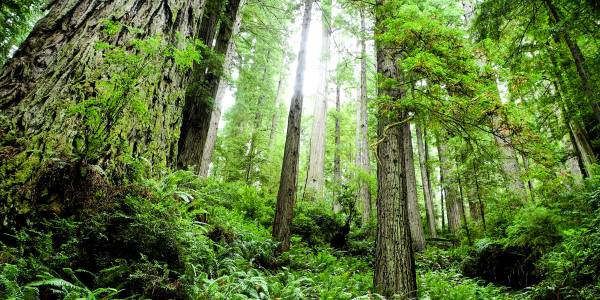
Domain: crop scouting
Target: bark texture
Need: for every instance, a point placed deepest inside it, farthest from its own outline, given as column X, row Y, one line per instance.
column 55, row 69
column 414, row 211
column 362, row 158
column 394, row 272
column 427, row 194
column 286, row 196
column 315, row 179
column 203, row 87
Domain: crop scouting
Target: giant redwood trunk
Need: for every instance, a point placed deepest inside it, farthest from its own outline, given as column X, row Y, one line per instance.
column 414, row 211
column 57, row 68
column 315, row 179
column 203, row 88
column 394, row 272
column 286, row 196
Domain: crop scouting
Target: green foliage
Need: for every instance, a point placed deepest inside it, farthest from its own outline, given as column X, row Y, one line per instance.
column 534, row 227
column 17, row 18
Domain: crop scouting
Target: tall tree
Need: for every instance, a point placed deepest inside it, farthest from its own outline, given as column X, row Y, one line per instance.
column 203, row 88
column 427, row 194
column 362, row 158
column 450, row 188
column 414, row 211
column 394, row 262
column 215, row 116
column 286, row 196
column 315, row 178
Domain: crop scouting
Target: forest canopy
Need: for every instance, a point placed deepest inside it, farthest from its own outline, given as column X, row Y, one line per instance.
column 299, row 149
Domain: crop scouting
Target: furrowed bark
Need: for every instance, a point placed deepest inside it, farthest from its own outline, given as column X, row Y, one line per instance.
column 55, row 69
column 394, row 272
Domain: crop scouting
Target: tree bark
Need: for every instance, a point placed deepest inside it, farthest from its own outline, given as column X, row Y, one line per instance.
column 316, row 163
column 55, row 69
column 362, row 158
column 256, row 128
column 286, row 196
column 414, row 214
column 450, row 190
column 423, row 163
column 201, row 93
column 215, row 116
column 394, row 272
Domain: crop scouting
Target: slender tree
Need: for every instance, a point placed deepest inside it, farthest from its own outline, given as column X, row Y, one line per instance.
column 362, row 158
column 286, row 196
column 315, row 178
column 423, row 163
column 414, row 211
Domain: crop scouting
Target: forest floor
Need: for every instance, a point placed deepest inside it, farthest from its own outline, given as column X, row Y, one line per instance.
column 186, row 238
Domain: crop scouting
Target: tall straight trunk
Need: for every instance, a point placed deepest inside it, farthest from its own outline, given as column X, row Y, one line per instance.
column 578, row 59
column 450, row 190
column 424, row 164
column 203, row 87
column 315, row 179
column 414, row 211
column 55, row 69
column 479, row 200
column 286, row 196
column 337, row 172
column 256, row 128
column 394, row 272
column 215, row 116
column 529, row 183
column 508, row 159
column 462, row 211
column 577, row 133
column 275, row 115
column 362, row 159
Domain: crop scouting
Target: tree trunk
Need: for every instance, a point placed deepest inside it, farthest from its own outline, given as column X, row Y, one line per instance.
column 450, row 190
column 337, row 173
column 276, row 107
column 203, row 88
column 362, row 159
column 462, row 211
column 286, row 196
column 423, row 163
column 394, row 272
column 579, row 60
column 316, row 162
column 56, row 68
column 479, row 201
column 414, row 214
column 256, row 128
column 508, row 159
column 215, row 117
